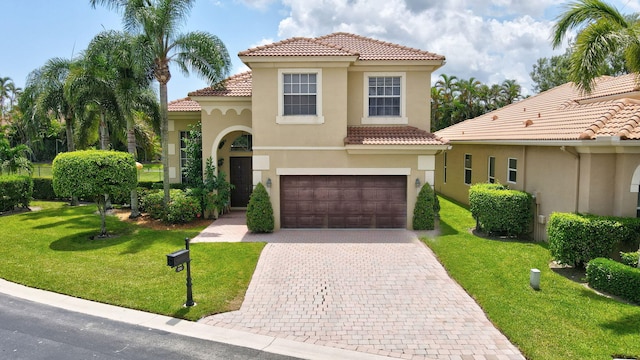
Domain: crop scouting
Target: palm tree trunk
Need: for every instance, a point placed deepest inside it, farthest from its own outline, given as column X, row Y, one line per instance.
column 104, row 133
column 131, row 147
column 71, row 146
column 164, row 133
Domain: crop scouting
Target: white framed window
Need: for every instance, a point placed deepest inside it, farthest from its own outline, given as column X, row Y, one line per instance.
column 444, row 167
column 492, row 170
column 384, row 98
column 467, row 169
column 512, row 170
column 299, row 96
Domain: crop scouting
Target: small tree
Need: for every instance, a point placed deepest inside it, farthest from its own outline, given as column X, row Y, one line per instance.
column 260, row 211
column 424, row 213
column 92, row 174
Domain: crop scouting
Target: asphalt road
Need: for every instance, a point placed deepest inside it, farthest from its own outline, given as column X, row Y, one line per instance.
column 33, row 331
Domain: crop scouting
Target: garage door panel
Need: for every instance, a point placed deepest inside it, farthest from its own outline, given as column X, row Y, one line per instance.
column 343, row 201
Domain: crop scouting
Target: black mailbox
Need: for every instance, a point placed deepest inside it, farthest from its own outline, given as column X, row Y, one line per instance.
column 177, row 258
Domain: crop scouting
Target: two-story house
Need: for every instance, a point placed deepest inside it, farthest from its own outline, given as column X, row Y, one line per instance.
column 335, row 127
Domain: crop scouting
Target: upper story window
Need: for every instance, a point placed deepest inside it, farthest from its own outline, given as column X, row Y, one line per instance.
column 300, row 96
column 384, row 101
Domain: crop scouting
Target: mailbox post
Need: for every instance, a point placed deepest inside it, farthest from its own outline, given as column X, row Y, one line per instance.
column 176, row 260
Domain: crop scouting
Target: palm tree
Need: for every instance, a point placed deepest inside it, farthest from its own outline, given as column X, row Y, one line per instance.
column 510, row 92
column 604, row 33
column 159, row 21
column 5, row 90
column 48, row 83
column 115, row 78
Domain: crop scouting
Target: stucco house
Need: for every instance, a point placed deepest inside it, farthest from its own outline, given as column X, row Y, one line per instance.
column 336, row 128
column 575, row 152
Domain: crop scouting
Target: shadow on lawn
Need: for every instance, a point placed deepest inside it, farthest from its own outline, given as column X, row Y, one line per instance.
column 626, row 325
column 446, row 229
column 83, row 241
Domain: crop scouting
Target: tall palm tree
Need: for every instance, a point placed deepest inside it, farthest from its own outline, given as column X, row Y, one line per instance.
column 159, row 21
column 4, row 94
column 604, row 32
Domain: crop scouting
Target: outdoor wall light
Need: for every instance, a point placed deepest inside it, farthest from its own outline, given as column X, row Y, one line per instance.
column 417, row 182
column 269, row 182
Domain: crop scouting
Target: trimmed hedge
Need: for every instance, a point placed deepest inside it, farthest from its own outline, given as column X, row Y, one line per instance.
column 614, row 278
column 15, row 190
column 498, row 210
column 182, row 208
column 259, row 211
column 43, row 189
column 630, row 258
column 424, row 213
column 575, row 239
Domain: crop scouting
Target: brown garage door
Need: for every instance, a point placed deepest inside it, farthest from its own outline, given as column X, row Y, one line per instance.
column 343, row 201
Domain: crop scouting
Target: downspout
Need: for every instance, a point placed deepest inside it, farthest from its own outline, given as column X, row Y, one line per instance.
column 576, row 155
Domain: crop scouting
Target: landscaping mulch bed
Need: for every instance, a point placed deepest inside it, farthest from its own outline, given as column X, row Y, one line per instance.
column 146, row 221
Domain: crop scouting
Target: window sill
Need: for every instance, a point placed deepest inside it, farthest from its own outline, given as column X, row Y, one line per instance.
column 299, row 120
column 385, row 120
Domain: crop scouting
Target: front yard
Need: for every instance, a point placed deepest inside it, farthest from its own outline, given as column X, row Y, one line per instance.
column 564, row 320
column 51, row 249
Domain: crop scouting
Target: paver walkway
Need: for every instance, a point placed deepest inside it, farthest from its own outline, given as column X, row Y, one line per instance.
column 374, row 291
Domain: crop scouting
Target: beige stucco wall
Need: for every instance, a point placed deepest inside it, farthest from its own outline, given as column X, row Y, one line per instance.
column 417, row 92
column 178, row 121
column 562, row 180
column 332, row 162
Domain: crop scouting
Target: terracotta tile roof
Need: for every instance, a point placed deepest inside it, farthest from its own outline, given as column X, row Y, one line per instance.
column 236, row 85
column 562, row 113
column 341, row 44
column 184, row 104
column 390, row 135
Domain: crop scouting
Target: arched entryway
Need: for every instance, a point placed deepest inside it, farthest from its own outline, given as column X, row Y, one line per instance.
column 233, row 149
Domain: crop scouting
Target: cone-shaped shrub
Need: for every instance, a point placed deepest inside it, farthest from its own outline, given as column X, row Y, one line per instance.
column 260, row 211
column 424, row 212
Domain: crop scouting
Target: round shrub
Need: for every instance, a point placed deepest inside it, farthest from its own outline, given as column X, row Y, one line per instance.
column 260, row 211
column 152, row 203
column 630, row 258
column 424, row 212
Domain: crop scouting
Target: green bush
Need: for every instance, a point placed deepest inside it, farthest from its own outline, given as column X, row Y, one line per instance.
column 575, row 239
column 630, row 258
column 500, row 211
column 15, row 190
column 92, row 174
column 43, row 189
column 260, row 211
column 614, row 278
column 424, row 212
column 182, row 208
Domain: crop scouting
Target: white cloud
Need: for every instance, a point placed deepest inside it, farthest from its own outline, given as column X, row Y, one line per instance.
column 491, row 40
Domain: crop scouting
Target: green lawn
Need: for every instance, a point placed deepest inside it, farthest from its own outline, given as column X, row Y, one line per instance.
column 564, row 320
column 51, row 249
column 149, row 172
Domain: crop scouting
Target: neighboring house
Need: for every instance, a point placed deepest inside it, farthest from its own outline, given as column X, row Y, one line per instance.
column 336, row 128
column 574, row 152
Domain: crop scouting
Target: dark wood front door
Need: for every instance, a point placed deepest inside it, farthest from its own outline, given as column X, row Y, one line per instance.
column 242, row 180
column 343, row 201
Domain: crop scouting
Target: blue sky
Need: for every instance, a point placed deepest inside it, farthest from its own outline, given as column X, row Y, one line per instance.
column 491, row 40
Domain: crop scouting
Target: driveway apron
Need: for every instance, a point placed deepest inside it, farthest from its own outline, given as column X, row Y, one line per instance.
column 374, row 291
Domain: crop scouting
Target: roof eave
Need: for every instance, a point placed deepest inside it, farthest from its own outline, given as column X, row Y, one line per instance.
column 359, row 149
column 295, row 58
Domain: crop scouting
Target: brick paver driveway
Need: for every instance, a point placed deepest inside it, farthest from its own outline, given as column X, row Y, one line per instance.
column 379, row 292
